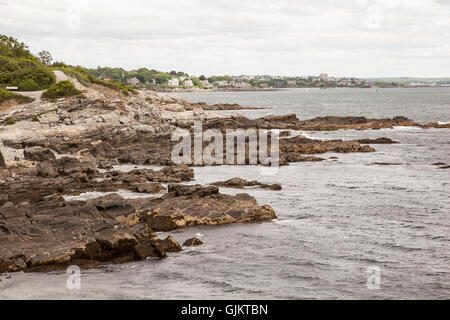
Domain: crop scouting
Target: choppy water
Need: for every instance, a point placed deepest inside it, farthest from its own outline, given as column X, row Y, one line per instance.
column 336, row 219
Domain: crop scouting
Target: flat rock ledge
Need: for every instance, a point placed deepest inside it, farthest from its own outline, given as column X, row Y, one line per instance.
column 238, row 183
column 186, row 206
column 49, row 235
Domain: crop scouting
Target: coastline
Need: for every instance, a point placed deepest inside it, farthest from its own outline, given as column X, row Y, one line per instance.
column 77, row 142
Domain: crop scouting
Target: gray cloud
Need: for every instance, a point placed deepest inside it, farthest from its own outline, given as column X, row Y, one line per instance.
column 287, row 37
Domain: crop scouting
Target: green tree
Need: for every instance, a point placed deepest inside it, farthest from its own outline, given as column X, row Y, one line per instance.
column 45, row 57
column 197, row 82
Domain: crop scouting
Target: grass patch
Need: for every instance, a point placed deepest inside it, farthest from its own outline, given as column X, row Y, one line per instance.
column 126, row 90
column 60, row 90
column 78, row 73
column 86, row 79
column 6, row 95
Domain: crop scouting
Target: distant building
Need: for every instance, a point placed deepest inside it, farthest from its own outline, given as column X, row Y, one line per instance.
column 133, row 81
column 222, row 83
column 206, row 84
column 292, row 83
column 174, row 82
column 241, row 85
column 188, row 83
column 324, row 77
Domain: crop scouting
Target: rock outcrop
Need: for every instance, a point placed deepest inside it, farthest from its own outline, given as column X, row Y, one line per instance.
column 383, row 140
column 239, row 183
column 223, row 106
column 186, row 206
column 47, row 236
column 2, row 162
column 194, row 242
column 39, row 154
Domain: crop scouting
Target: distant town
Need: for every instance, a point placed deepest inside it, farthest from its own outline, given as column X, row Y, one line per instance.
column 173, row 81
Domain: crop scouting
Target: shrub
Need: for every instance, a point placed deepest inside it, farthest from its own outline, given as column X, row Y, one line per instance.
column 6, row 95
column 60, row 90
column 10, row 122
column 27, row 74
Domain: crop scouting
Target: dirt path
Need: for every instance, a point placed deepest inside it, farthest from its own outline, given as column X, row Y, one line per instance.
column 37, row 95
column 61, row 76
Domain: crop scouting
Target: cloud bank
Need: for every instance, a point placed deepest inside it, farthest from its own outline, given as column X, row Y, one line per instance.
column 281, row 37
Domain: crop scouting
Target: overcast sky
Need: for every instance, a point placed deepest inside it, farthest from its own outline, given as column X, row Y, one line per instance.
column 359, row 38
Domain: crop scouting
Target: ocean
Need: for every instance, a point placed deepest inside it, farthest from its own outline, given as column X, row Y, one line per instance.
column 338, row 220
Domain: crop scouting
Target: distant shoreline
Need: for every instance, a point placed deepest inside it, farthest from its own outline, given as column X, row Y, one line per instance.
column 194, row 90
column 175, row 90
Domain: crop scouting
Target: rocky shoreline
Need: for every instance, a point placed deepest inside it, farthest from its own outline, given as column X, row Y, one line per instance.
column 55, row 151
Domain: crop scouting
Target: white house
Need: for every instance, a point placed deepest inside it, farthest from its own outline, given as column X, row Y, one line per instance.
column 222, row 83
column 206, row 84
column 174, row 82
column 188, row 83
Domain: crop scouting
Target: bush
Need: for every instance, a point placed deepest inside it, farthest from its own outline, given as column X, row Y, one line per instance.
column 6, row 95
column 27, row 74
column 60, row 90
column 10, row 122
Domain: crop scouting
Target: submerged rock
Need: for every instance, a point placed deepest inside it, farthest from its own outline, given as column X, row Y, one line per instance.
column 383, row 140
column 192, row 242
column 241, row 184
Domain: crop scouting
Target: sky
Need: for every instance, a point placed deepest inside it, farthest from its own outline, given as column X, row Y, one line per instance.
column 358, row 38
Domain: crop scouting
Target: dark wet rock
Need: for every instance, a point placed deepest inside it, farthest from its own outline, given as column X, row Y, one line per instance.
column 147, row 249
column 436, row 125
column 294, row 149
column 385, row 164
column 65, row 166
column 377, row 141
column 39, row 154
column 197, row 190
column 192, row 242
column 2, row 162
column 241, row 184
column 444, row 167
column 332, row 123
column 223, row 106
column 150, row 188
column 56, row 234
column 169, row 245
column 102, row 150
column 317, row 124
column 112, row 206
column 186, row 206
column 439, row 164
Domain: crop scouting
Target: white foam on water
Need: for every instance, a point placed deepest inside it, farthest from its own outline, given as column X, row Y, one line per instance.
column 126, row 194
